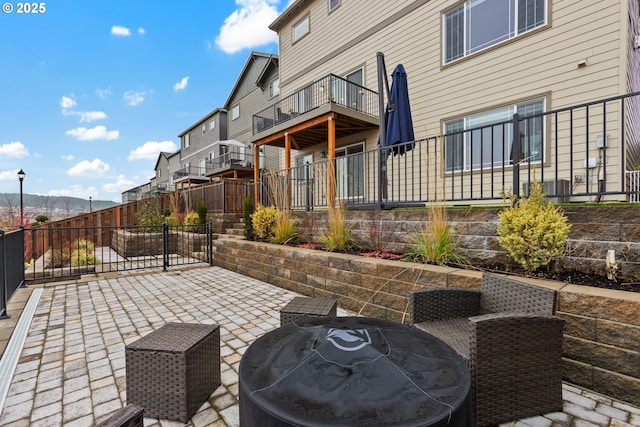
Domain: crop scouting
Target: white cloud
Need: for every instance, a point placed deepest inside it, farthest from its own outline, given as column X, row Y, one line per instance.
column 119, row 186
column 68, row 157
column 90, row 116
column 87, row 168
column 248, row 26
column 141, row 31
column 134, row 98
column 75, row 191
column 103, row 93
column 182, row 84
column 9, row 175
column 98, row 132
column 121, row 31
column 151, row 149
column 67, row 102
column 15, row 149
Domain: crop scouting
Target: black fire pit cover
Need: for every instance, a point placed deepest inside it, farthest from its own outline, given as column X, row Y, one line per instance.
column 352, row 371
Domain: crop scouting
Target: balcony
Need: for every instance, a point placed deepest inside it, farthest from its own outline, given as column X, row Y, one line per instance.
column 355, row 108
column 236, row 163
column 191, row 174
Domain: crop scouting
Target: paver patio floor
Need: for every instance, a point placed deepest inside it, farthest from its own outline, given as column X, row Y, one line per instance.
column 71, row 369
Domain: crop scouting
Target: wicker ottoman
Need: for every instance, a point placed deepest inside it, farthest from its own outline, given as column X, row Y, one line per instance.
column 300, row 308
column 173, row 370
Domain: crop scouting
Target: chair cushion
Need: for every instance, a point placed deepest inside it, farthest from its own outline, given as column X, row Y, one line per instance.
column 454, row 332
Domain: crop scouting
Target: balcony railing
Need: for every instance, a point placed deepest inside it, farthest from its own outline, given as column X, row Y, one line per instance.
column 568, row 157
column 190, row 172
column 329, row 89
column 234, row 159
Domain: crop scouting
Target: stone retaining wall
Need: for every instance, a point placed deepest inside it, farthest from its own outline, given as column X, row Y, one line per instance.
column 602, row 334
column 595, row 230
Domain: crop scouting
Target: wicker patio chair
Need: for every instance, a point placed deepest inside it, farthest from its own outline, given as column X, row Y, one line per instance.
column 511, row 338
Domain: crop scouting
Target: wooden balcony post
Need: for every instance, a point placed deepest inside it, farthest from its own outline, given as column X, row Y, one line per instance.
column 256, row 174
column 331, row 167
column 287, row 165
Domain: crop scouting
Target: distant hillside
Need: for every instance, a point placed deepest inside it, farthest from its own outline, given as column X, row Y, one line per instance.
column 49, row 203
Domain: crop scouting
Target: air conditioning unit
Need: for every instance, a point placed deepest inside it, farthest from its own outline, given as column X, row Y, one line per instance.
column 559, row 191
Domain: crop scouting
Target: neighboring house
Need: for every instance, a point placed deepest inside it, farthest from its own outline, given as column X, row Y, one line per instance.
column 163, row 181
column 256, row 87
column 196, row 147
column 470, row 64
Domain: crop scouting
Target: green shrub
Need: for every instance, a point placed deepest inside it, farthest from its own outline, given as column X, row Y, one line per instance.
column 247, row 211
column 83, row 257
column 533, row 230
column 264, row 220
column 83, row 244
column 150, row 217
column 192, row 221
column 201, row 210
column 285, row 229
column 337, row 236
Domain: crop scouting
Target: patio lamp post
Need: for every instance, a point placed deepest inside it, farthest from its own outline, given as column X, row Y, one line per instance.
column 21, row 176
column 90, row 206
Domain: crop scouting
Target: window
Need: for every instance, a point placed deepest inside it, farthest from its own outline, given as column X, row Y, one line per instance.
column 235, row 112
column 300, row 29
column 274, row 88
column 333, row 4
column 203, row 167
column 478, row 24
column 484, row 140
column 204, row 129
column 350, row 171
column 186, row 141
column 212, row 124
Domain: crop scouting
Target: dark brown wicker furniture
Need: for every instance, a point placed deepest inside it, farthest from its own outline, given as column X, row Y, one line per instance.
column 129, row 416
column 173, row 370
column 300, row 308
column 511, row 338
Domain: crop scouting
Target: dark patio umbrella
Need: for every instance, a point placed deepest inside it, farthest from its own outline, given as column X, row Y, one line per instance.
column 397, row 115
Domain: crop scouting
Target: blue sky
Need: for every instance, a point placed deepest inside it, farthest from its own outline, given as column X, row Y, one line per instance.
column 92, row 90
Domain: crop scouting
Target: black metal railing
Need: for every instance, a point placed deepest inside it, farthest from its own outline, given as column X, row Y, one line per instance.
column 189, row 171
column 329, row 89
column 235, row 158
column 11, row 266
column 579, row 153
column 73, row 251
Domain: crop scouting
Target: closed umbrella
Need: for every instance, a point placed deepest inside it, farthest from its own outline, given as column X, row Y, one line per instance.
column 399, row 124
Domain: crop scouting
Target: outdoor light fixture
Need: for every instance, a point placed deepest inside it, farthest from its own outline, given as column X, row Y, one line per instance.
column 90, row 207
column 21, row 176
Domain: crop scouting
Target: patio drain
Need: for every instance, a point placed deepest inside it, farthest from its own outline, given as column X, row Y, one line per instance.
column 11, row 355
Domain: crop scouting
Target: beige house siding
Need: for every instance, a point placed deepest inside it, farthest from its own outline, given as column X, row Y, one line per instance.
column 579, row 56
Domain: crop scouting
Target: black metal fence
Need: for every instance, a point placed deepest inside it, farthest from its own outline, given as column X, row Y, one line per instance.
column 12, row 266
column 581, row 153
column 74, row 251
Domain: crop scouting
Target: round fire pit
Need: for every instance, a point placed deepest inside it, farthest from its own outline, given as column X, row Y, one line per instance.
column 352, row 371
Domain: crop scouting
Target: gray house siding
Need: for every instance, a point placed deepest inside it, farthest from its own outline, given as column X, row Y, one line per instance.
column 202, row 136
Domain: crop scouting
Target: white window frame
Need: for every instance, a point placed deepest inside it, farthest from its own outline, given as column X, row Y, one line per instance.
column 212, row 124
column 513, row 31
column 187, row 140
column 274, row 88
column 336, row 4
column 235, row 112
column 300, row 29
column 204, row 129
column 482, row 136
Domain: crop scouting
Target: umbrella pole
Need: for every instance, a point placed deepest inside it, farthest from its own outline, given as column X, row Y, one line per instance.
column 382, row 79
